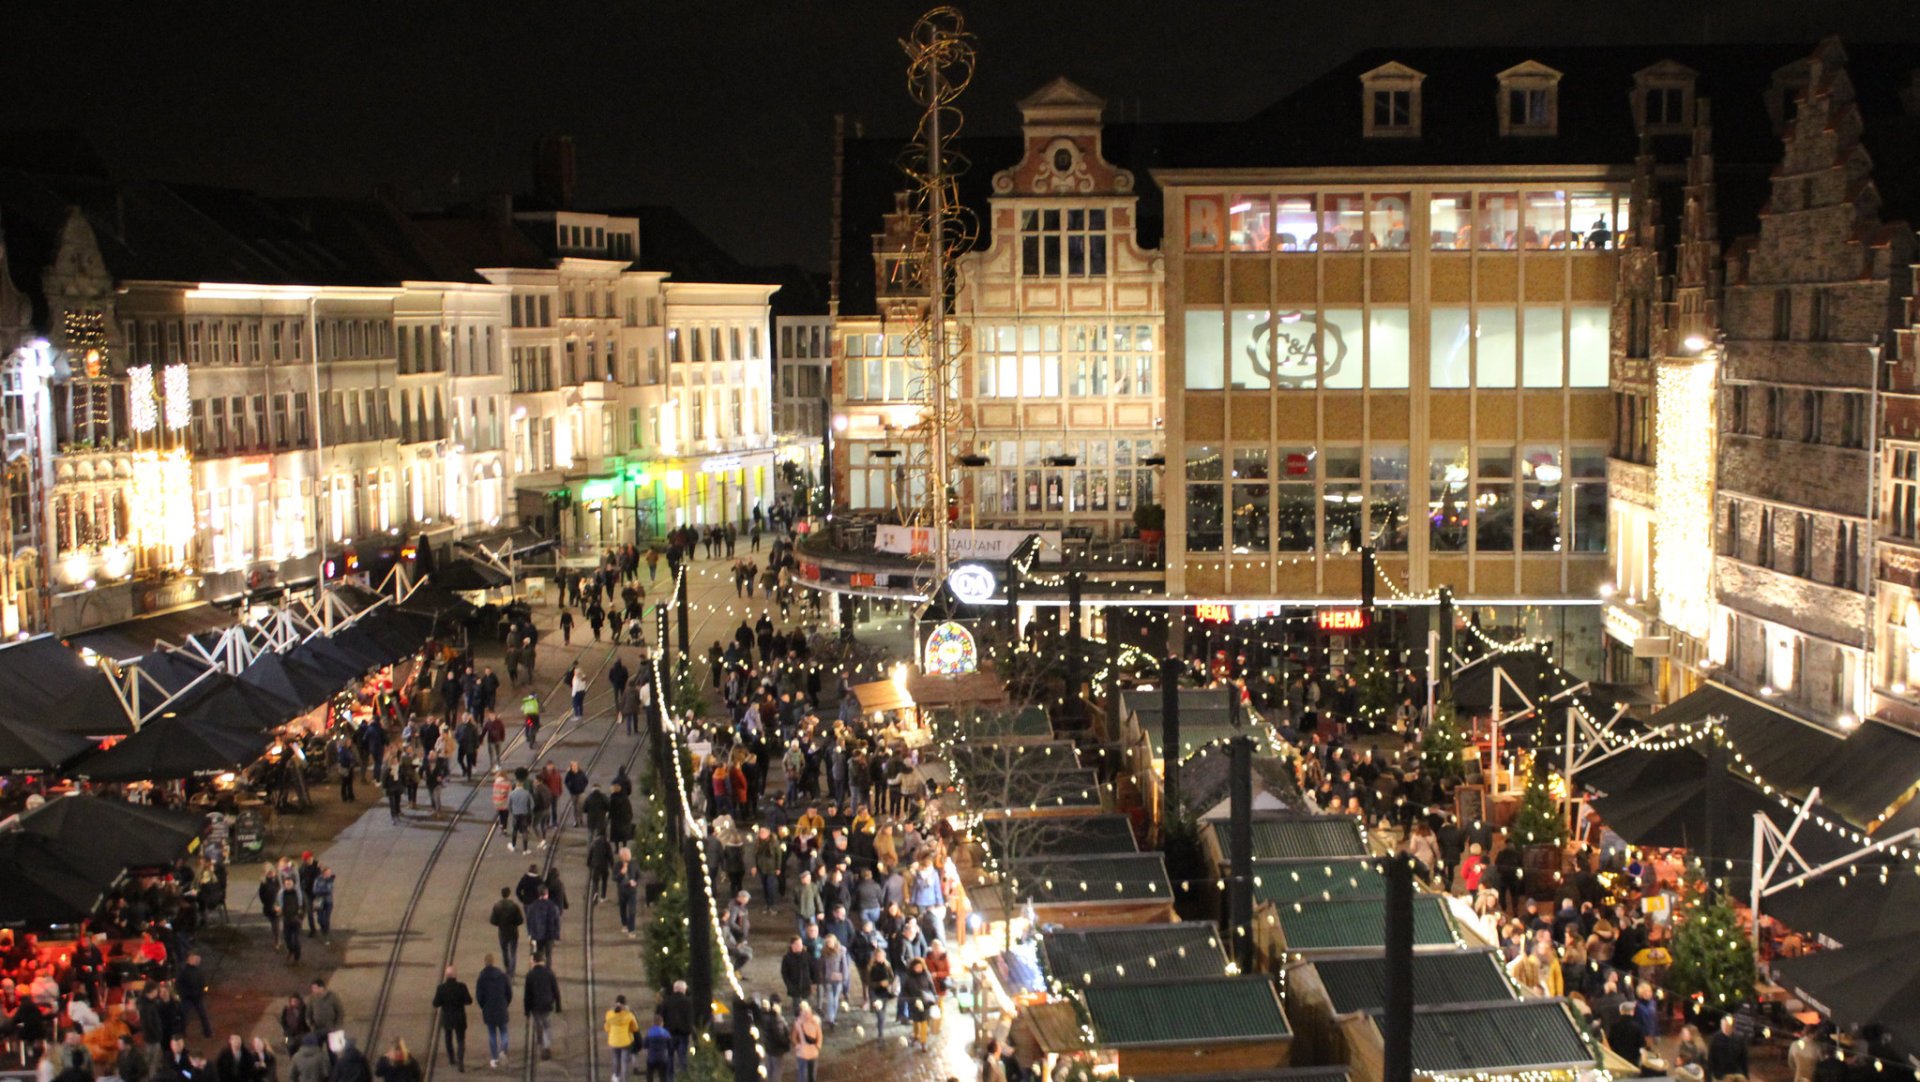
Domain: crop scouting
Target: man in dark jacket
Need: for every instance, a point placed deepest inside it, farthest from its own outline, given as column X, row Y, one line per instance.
column 1726, row 1052
column 506, row 919
column 528, row 889
column 599, row 868
column 676, row 1012
column 452, row 1000
column 191, row 986
column 540, row 998
column 543, row 926
column 493, row 991
column 796, row 972
column 351, row 1064
column 595, row 807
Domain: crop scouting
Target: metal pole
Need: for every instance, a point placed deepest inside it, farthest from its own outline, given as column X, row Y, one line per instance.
column 699, row 935
column 746, row 1050
column 1170, row 736
column 1240, row 883
column 681, row 605
column 1397, row 1025
column 937, row 316
column 1754, row 876
column 1716, row 782
column 1075, row 647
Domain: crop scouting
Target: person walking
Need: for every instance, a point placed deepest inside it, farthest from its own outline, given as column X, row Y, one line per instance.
column 836, row 971
column 807, row 1039
column 493, row 994
column 520, row 810
column 310, row 1063
column 575, row 783
column 676, row 1013
column 543, row 926
column 530, row 715
column 566, row 627
column 623, row 1033
column 324, row 1011
column 796, row 972
column 578, row 680
column 540, row 998
column 398, row 1065
column 323, row 885
column 395, row 788
column 496, row 732
column 626, row 886
column 916, row 992
column 506, row 919
column 452, row 999
column 659, row 1045
column 630, row 705
column 599, row 868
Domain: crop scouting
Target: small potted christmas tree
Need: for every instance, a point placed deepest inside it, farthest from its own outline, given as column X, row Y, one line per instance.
column 1540, row 832
column 1442, row 746
column 1151, row 519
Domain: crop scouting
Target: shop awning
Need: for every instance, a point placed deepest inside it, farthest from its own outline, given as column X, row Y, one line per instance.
column 402, row 633
column 361, row 647
column 180, row 746
column 114, row 833
column 44, row 683
column 28, row 747
column 171, row 669
column 1873, row 981
column 138, row 637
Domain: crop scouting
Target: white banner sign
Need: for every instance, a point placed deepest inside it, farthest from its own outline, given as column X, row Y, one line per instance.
column 965, row 544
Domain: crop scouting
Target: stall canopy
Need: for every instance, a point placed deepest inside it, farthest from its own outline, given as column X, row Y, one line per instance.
column 1869, row 902
column 142, row 635
column 228, row 701
column 175, row 746
column 288, row 680
column 1876, row 981
column 1526, row 679
column 400, row 632
column 172, row 669
column 329, row 661
column 47, row 883
column 465, row 576
column 507, row 544
column 118, row 834
column 356, row 643
column 25, row 747
column 45, row 684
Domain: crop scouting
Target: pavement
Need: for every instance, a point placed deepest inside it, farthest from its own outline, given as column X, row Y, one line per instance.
column 390, row 937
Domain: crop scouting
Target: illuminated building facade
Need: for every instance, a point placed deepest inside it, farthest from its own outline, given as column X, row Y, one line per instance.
column 1059, row 307
column 1811, row 305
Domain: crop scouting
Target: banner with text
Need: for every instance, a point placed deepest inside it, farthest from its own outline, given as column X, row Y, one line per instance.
column 965, row 544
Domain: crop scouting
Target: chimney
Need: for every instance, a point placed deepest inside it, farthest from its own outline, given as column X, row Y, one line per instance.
column 554, row 173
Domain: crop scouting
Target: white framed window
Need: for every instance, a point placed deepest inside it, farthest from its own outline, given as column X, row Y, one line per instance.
column 1529, row 100
column 1390, row 102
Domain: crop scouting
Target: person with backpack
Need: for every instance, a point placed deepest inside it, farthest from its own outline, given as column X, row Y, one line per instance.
column 659, row 1046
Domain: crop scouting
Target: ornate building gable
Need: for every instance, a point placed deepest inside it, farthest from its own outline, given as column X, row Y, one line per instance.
column 80, row 297
column 1063, row 155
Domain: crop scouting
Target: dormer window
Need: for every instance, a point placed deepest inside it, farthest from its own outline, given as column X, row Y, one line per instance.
column 1663, row 99
column 1529, row 101
column 1390, row 102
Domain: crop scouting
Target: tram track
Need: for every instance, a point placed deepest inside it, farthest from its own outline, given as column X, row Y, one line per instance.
column 384, row 1000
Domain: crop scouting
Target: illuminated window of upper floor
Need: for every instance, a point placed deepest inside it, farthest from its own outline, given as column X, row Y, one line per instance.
column 1063, row 242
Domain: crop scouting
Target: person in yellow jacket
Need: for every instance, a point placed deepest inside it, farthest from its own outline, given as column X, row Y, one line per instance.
column 623, row 1034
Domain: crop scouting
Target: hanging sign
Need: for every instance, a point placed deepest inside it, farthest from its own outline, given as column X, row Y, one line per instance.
column 950, row 651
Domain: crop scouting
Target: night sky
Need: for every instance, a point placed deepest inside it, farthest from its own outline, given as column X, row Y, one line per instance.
column 721, row 109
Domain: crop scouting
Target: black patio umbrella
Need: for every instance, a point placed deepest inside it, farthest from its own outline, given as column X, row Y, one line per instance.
column 113, row 832
column 27, row 747
column 180, row 746
column 1877, row 980
column 295, row 683
column 361, row 647
column 329, row 660
column 401, row 633
column 1852, row 905
column 48, row 883
column 232, row 702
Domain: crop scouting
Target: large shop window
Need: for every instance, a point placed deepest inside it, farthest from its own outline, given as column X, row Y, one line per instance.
column 1341, row 499
column 1496, row 347
column 1449, row 503
column 1387, row 497
column 1587, row 344
column 1493, row 499
column 1206, row 349
column 1449, row 348
column 1542, row 346
column 1388, row 348
column 1252, row 502
column 1204, row 470
column 1296, row 513
column 1589, row 499
column 1542, row 481
column 1297, row 349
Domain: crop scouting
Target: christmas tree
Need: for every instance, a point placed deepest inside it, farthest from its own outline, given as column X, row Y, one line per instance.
column 1442, row 745
column 1712, row 958
column 667, row 937
column 1538, row 821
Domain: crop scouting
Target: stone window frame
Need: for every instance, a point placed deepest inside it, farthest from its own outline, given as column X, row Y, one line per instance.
column 1666, row 75
column 1392, row 77
column 1524, row 78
